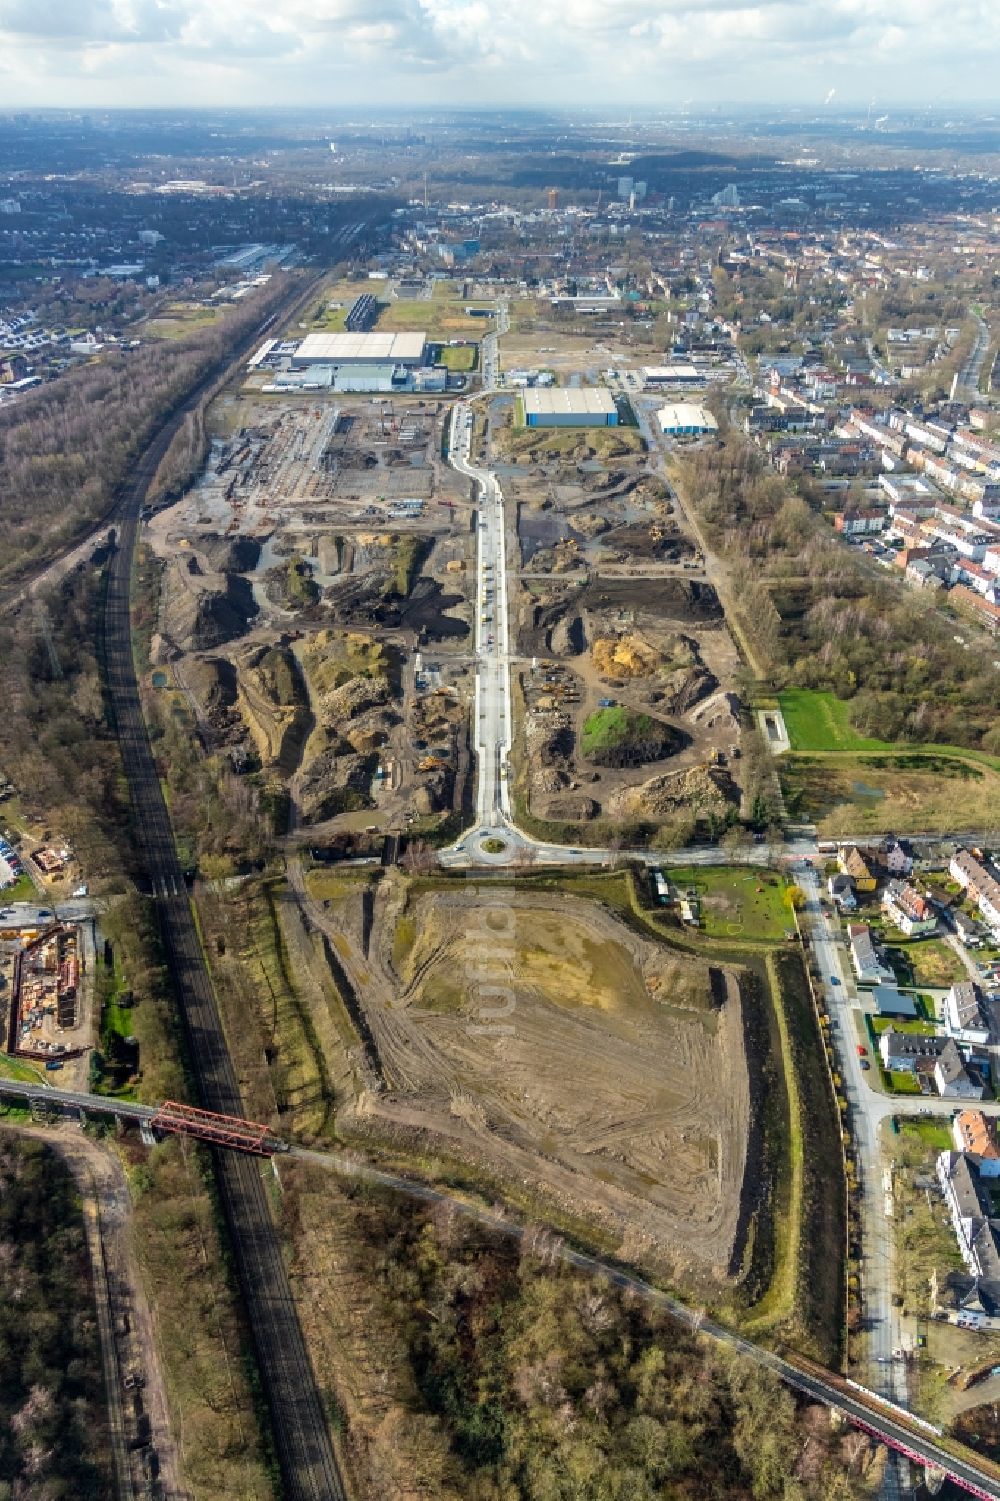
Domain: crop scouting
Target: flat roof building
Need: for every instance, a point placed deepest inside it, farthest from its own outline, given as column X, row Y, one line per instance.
column 570, row 406
column 687, row 420
column 360, row 349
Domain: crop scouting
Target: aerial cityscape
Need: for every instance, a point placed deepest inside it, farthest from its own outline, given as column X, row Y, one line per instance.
column 499, row 752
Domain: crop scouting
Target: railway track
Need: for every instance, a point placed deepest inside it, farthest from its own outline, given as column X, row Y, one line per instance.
column 305, row 1453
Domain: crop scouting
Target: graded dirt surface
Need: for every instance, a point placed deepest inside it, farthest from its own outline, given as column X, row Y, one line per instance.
column 549, row 1041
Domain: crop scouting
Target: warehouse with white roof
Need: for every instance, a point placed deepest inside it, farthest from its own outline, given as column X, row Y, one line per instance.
column 408, row 350
column 570, row 406
column 686, row 420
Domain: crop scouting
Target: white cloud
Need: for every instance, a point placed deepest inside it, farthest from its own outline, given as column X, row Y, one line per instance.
column 478, row 51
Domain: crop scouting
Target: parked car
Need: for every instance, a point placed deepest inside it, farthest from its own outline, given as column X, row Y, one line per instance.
column 862, row 1050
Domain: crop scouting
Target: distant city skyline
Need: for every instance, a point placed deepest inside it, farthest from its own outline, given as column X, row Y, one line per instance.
column 450, row 53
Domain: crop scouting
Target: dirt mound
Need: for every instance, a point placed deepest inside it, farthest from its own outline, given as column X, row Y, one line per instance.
column 687, row 687
column 568, row 807
column 213, row 682
column 617, row 736
column 360, row 601
column 549, row 735
column 274, row 704
column 699, row 789
column 230, row 554
column 665, row 598
column 659, row 541
column 627, row 656
column 333, row 784
column 567, row 639
column 352, row 699
column 199, row 620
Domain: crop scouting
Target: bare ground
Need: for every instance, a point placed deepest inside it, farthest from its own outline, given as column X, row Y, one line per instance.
column 583, row 1061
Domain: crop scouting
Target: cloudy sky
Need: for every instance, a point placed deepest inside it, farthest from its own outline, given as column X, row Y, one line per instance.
column 534, row 52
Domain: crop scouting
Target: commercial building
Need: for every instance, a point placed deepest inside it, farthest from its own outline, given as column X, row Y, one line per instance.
column 672, row 375
column 687, row 420
column 408, row 350
column 592, row 406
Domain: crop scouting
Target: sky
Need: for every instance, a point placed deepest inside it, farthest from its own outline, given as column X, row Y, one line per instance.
column 560, row 53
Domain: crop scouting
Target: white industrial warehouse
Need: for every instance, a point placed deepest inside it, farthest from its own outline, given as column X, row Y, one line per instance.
column 360, row 349
column 570, row 406
column 361, row 362
column 686, row 420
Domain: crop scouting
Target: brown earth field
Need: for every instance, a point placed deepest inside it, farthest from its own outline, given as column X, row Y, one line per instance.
column 554, row 1045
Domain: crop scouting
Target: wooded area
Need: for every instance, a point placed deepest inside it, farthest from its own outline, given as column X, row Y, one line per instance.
column 66, row 448
column 821, row 617
column 53, row 1427
column 524, row 1380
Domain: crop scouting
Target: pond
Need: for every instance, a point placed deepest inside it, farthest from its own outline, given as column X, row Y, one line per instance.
column 862, row 789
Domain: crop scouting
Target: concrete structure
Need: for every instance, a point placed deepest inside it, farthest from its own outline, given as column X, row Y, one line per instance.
column 408, row 350
column 686, row 420
column 585, row 406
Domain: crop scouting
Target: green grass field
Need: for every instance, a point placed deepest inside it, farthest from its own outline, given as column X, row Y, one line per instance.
column 179, row 319
column 821, row 721
column 933, row 1133
column 23, row 890
column 18, row 1069
column 880, row 1024
column 460, row 359
column 735, row 902
column 901, row 1083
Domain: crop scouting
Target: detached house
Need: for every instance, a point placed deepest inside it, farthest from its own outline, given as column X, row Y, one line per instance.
column 864, row 957
column 967, row 1014
column 952, row 1078
column 841, row 889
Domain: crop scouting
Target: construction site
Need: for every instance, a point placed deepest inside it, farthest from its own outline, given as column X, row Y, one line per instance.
column 315, row 608
column 46, row 968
